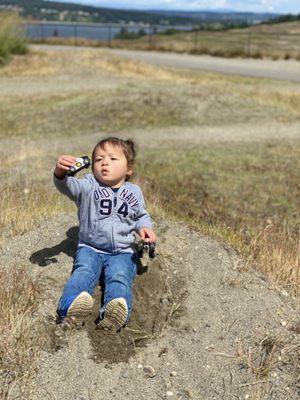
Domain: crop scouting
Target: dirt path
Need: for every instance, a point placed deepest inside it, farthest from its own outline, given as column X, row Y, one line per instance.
column 209, row 330
column 287, row 70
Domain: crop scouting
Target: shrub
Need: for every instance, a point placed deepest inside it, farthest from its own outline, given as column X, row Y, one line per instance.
column 12, row 38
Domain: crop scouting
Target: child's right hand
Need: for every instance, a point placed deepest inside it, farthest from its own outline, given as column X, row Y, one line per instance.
column 63, row 165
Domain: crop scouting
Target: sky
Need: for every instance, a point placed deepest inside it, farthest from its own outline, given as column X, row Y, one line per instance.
column 277, row 6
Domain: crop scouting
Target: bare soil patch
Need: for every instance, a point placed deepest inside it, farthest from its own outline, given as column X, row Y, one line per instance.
column 220, row 330
column 153, row 300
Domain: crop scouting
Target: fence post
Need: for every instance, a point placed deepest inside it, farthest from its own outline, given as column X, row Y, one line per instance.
column 196, row 40
column 150, row 36
column 75, row 34
column 109, row 35
column 249, row 45
column 42, row 32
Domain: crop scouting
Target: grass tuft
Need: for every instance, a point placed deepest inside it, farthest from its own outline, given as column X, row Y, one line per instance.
column 19, row 345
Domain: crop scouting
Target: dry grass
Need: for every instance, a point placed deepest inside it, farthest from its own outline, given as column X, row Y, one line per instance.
column 276, row 250
column 57, row 62
column 20, row 342
column 265, row 357
column 247, row 196
column 229, row 194
column 103, row 110
column 249, row 199
column 233, row 43
column 25, row 204
column 280, row 41
column 271, row 352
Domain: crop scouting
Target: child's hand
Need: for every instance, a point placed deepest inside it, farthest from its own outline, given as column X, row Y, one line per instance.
column 63, row 165
column 147, row 234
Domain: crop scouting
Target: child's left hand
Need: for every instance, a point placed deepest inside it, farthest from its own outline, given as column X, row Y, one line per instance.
column 147, row 234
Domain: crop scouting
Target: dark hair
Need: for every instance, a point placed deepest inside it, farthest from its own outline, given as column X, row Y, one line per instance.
column 127, row 146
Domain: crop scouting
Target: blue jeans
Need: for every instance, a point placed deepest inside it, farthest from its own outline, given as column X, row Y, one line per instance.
column 116, row 272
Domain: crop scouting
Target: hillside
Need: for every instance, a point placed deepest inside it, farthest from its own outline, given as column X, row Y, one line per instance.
column 281, row 27
column 220, row 16
column 53, row 11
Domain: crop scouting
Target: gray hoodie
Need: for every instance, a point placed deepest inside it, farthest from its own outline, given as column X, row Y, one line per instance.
column 107, row 219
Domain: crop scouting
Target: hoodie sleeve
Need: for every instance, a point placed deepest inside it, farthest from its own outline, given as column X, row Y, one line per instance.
column 71, row 187
column 143, row 219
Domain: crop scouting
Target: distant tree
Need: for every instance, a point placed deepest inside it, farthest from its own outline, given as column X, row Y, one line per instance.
column 142, row 32
column 125, row 34
column 170, row 31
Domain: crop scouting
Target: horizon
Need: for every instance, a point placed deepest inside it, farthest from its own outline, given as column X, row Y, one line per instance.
column 251, row 6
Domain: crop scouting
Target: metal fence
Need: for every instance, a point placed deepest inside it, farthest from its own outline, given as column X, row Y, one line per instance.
column 98, row 32
column 224, row 43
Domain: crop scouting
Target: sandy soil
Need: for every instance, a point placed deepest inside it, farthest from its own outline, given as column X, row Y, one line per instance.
column 208, row 328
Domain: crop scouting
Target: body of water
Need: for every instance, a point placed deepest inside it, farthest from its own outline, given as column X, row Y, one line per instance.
column 99, row 32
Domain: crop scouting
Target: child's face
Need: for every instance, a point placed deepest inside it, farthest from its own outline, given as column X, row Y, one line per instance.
column 110, row 166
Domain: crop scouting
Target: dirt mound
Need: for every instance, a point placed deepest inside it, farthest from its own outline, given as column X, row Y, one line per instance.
column 152, row 299
column 152, row 304
column 207, row 328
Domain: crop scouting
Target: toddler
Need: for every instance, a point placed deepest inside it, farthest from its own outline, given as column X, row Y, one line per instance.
column 110, row 210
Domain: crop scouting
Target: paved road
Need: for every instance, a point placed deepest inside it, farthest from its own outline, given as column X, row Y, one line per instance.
column 288, row 70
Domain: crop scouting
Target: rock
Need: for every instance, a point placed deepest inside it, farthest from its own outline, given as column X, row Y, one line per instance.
column 169, row 393
column 140, row 366
column 185, row 394
column 163, row 351
column 173, row 373
column 125, row 374
column 284, row 293
column 164, row 301
column 149, row 371
column 167, row 383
